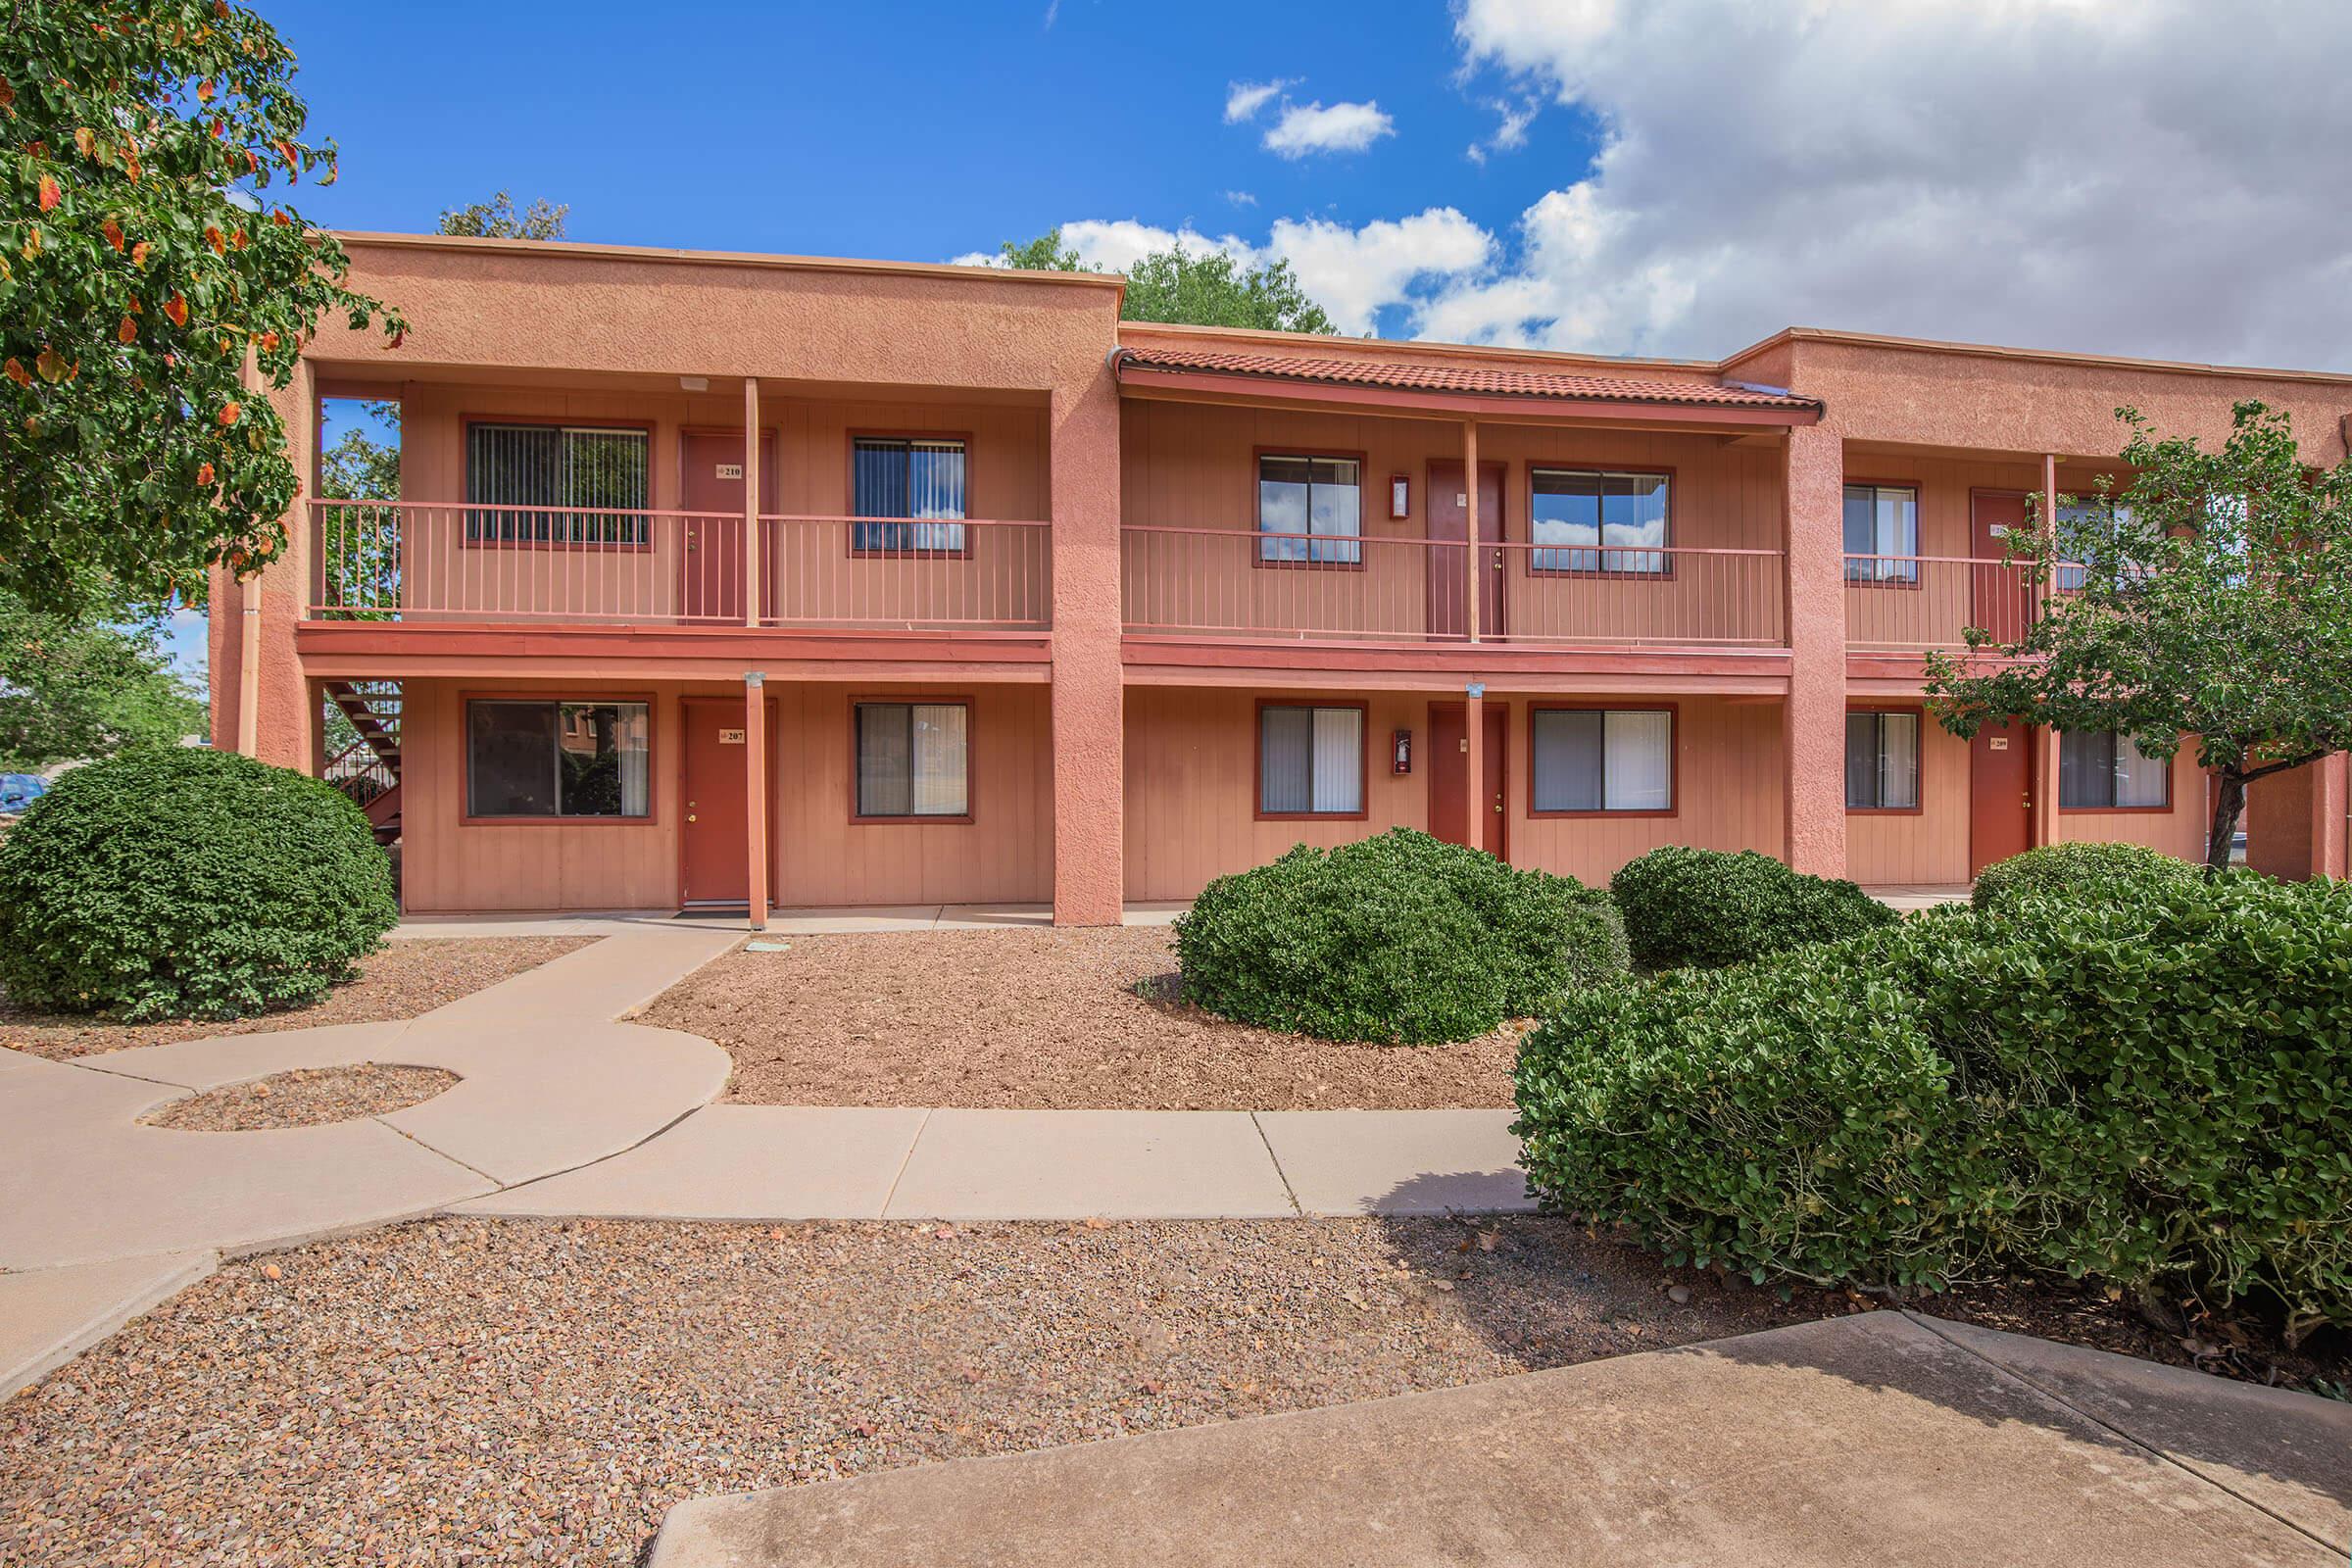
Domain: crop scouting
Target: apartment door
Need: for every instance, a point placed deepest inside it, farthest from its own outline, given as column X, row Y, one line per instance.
column 2000, row 794
column 710, row 480
column 2000, row 597
column 714, row 869
column 1448, row 518
column 1449, row 775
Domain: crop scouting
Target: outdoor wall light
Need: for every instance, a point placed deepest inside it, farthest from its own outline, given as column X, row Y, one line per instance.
column 1400, row 495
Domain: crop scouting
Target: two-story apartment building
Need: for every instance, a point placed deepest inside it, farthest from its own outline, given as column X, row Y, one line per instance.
column 745, row 580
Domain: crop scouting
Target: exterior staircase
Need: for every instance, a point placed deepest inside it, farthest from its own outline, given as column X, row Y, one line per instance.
column 367, row 769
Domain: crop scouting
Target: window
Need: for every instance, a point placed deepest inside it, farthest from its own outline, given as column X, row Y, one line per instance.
column 1310, row 761
column 2084, row 527
column 917, row 477
column 1317, row 503
column 1593, row 509
column 2102, row 772
column 1882, row 762
column 914, row 760
column 1585, row 760
column 552, row 759
column 581, row 485
column 1881, row 534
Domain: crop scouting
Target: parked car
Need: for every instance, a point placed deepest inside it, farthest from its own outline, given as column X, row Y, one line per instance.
column 17, row 791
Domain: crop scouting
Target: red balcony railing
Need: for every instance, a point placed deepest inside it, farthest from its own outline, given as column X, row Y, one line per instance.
column 1898, row 604
column 1233, row 583
column 444, row 562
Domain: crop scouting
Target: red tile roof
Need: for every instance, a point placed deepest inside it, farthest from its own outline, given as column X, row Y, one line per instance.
column 1475, row 379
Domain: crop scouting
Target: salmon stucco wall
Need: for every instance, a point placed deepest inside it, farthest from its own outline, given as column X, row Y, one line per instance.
column 1192, row 758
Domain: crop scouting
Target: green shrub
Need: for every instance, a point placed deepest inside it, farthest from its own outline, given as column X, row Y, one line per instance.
column 2074, row 870
column 1398, row 937
column 1779, row 1118
column 187, row 883
column 2150, row 1084
column 1706, row 908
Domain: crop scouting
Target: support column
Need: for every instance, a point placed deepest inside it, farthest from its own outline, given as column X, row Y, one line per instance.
column 1474, row 791
column 754, row 793
column 1089, row 714
column 259, row 692
column 1474, row 568
column 1813, row 728
column 2045, row 739
column 751, row 502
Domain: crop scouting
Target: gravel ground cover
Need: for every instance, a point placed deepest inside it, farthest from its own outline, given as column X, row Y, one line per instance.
column 407, row 977
column 484, row 1391
column 467, row 1392
column 305, row 1098
column 1035, row 1019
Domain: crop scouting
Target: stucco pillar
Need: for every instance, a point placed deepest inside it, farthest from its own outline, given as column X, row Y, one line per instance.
column 750, row 515
column 2294, row 821
column 755, row 787
column 1089, row 829
column 1813, row 485
column 270, row 715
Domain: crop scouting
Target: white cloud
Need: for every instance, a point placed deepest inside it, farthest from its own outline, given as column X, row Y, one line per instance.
column 1241, row 198
column 1352, row 272
column 2128, row 175
column 1511, row 133
column 1340, row 128
column 1243, row 99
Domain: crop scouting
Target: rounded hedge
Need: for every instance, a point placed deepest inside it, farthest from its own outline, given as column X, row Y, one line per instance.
column 187, row 883
column 2074, row 870
column 2057, row 1088
column 1398, row 939
column 1707, row 907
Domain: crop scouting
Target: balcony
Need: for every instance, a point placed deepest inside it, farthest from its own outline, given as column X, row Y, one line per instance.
column 1202, row 584
column 1911, row 603
column 440, row 564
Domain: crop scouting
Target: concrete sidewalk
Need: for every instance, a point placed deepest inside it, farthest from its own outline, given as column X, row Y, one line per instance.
column 785, row 1162
column 1881, row 1439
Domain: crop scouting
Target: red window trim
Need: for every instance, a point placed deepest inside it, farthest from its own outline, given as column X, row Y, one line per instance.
column 1919, row 712
column 1674, row 757
column 1364, row 762
column 653, row 776
column 1674, row 489
column 467, row 422
column 1257, row 554
column 850, row 438
column 971, row 753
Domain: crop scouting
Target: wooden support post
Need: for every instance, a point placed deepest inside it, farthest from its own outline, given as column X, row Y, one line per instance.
column 755, row 795
column 751, row 502
column 249, row 665
column 1474, row 736
column 2046, row 739
column 1473, row 560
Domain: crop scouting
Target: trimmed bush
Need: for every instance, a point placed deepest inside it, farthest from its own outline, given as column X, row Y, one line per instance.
column 1398, row 939
column 2074, row 870
column 187, row 883
column 2150, row 1084
column 1707, row 907
column 1778, row 1118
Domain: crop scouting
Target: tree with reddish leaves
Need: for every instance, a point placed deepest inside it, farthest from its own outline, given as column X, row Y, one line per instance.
column 155, row 283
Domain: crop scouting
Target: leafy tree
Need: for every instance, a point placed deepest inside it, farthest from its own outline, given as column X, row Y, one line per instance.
column 1203, row 290
column 496, row 218
column 2210, row 597
column 72, row 689
column 145, row 262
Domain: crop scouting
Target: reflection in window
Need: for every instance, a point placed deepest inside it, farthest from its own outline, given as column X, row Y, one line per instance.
column 1605, row 513
column 891, row 478
column 554, row 759
column 1315, row 503
column 1882, row 533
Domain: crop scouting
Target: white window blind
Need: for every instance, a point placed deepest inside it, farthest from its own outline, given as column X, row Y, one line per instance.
column 1587, row 759
column 914, row 760
column 1310, row 761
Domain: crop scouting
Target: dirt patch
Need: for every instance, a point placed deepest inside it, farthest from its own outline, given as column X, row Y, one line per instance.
column 1035, row 1019
column 407, row 977
column 303, row 1097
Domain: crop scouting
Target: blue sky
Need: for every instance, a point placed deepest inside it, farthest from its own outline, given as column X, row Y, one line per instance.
column 1616, row 177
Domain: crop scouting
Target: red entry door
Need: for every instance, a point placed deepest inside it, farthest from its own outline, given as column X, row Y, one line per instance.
column 2000, row 597
column 2000, row 795
column 714, row 842
column 1450, row 519
column 710, row 480
column 1450, row 776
